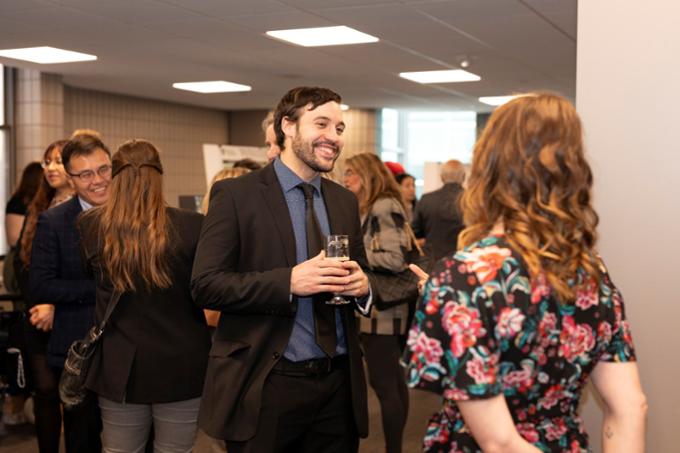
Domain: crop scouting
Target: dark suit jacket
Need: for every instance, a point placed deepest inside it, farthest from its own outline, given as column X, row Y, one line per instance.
column 155, row 346
column 57, row 276
column 439, row 221
column 242, row 268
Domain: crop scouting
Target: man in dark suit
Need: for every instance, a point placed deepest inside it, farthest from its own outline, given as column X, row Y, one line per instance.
column 438, row 218
column 285, row 371
column 57, row 276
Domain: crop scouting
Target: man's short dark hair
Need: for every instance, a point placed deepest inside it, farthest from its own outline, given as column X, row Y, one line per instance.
column 81, row 145
column 291, row 104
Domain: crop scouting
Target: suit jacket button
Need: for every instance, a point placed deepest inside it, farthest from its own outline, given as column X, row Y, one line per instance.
column 276, row 356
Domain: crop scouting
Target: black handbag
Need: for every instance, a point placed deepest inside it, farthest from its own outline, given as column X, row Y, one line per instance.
column 397, row 288
column 72, row 391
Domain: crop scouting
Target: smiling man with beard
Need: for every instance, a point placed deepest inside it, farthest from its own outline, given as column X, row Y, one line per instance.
column 285, row 371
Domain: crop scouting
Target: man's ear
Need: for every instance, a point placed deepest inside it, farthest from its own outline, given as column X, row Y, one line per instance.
column 288, row 127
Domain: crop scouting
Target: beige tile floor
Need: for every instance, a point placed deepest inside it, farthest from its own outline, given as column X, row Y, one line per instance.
column 21, row 439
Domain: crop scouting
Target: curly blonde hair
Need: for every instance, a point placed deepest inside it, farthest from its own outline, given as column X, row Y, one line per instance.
column 529, row 173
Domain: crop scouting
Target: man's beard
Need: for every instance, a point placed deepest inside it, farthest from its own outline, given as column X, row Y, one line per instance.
column 305, row 152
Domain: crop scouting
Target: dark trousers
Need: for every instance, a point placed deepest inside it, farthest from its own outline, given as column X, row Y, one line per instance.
column 304, row 414
column 387, row 378
column 83, row 425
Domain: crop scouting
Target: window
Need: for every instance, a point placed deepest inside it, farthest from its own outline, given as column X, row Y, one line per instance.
column 414, row 137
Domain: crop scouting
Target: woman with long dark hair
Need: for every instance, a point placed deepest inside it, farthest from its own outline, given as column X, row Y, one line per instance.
column 384, row 223
column 53, row 190
column 15, row 211
column 153, row 354
column 514, row 324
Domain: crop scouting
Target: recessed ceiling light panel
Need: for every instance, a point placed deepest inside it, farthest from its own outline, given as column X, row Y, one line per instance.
column 46, row 55
column 214, row 86
column 344, row 107
column 444, row 76
column 496, row 100
column 323, row 36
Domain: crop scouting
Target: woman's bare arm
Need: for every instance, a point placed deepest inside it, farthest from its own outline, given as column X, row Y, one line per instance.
column 623, row 428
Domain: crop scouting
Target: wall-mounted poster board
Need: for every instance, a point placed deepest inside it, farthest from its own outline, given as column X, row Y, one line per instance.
column 217, row 157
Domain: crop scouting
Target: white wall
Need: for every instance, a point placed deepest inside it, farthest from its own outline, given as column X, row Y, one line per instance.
column 628, row 91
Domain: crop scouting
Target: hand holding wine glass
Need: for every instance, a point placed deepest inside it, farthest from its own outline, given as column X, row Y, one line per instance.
column 337, row 248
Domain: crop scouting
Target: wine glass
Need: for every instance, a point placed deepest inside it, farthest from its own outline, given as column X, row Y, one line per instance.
column 337, row 248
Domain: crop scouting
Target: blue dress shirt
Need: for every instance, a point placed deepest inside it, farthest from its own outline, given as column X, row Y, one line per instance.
column 302, row 343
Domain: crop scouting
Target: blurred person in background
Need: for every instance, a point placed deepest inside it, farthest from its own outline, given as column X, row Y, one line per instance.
column 54, row 190
column 383, row 219
column 514, row 324
column 151, row 362
column 248, row 164
column 407, row 184
column 438, row 217
column 15, row 210
column 273, row 148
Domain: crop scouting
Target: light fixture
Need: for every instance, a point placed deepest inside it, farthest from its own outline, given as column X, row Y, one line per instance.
column 46, row 55
column 214, row 86
column 496, row 100
column 443, row 76
column 322, row 36
column 344, row 107
column 463, row 61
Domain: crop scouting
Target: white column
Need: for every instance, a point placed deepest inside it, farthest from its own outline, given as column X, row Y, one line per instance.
column 628, row 95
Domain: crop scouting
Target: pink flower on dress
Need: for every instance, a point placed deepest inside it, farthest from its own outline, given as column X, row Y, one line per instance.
column 528, row 432
column 587, row 295
column 540, row 288
column 556, row 429
column 483, row 372
column 426, row 348
column 552, row 396
column 509, row 322
column 520, row 379
column 604, row 332
column 456, row 394
column 486, row 261
column 575, row 339
column 464, row 326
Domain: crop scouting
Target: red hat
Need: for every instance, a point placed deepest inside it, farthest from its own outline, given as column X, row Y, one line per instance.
column 395, row 167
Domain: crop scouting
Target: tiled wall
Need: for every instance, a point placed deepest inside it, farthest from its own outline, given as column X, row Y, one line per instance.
column 39, row 114
column 47, row 110
column 179, row 131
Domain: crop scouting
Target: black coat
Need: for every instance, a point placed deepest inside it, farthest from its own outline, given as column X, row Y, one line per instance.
column 438, row 219
column 243, row 267
column 155, row 347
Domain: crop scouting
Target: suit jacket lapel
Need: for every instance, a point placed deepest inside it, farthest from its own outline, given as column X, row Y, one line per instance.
column 276, row 202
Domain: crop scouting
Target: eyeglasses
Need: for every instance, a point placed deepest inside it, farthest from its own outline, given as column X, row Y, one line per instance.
column 47, row 162
column 88, row 175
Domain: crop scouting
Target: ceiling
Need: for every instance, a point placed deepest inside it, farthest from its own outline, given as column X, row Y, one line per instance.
column 145, row 45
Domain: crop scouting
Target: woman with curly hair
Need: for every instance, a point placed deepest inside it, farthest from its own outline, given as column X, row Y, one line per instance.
column 512, row 326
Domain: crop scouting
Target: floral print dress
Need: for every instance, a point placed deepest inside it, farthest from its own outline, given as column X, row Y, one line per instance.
column 484, row 327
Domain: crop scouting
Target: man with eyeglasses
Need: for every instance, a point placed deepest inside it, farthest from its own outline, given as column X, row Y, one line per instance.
column 57, row 277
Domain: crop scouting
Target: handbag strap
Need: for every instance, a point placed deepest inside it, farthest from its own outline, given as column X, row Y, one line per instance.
column 115, row 297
